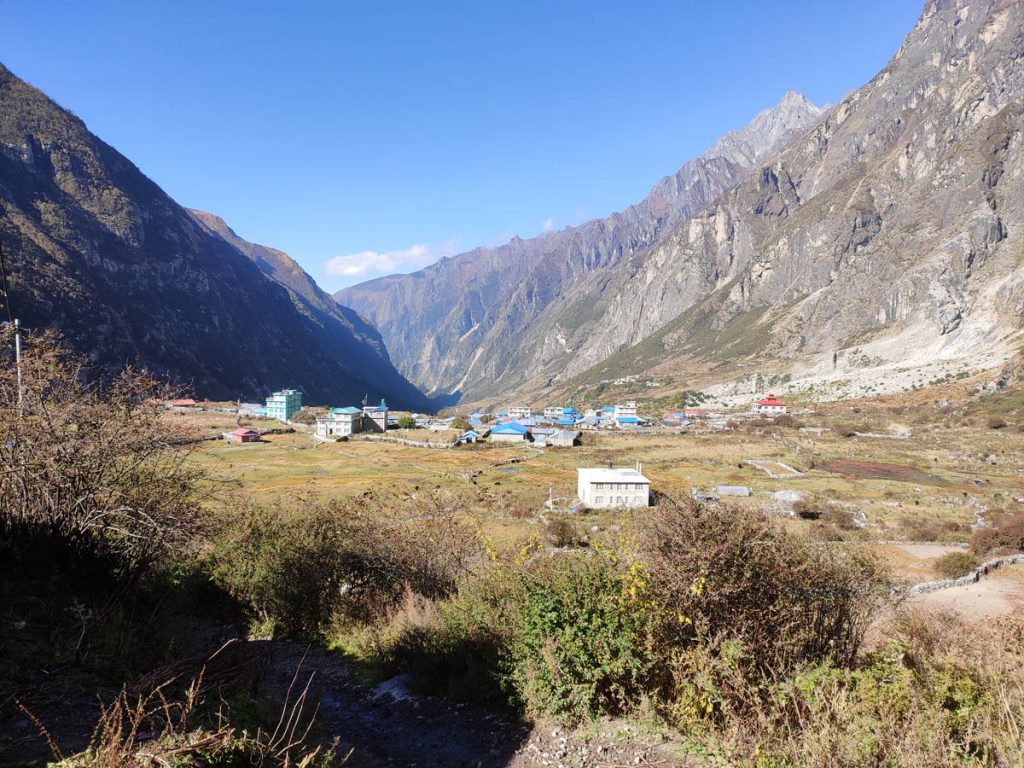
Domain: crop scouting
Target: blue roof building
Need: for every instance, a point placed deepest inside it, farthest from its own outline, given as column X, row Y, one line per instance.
column 509, row 432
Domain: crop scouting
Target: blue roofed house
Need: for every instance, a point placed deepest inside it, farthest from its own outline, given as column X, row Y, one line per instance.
column 509, row 432
column 375, row 418
column 469, row 436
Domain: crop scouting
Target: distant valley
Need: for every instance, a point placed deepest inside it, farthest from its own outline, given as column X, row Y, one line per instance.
column 872, row 245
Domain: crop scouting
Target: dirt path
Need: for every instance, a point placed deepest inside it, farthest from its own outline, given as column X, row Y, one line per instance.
column 1000, row 593
column 388, row 726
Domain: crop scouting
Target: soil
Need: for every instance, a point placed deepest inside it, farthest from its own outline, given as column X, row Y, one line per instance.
column 874, row 470
column 388, row 725
column 998, row 594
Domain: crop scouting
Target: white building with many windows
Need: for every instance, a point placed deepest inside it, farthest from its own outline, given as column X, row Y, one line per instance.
column 606, row 488
column 339, row 422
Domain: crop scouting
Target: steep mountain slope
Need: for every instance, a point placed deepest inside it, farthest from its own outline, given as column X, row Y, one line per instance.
column 100, row 252
column 887, row 239
column 879, row 247
column 487, row 320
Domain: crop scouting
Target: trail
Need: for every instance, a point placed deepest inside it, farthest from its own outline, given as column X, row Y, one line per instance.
column 390, row 726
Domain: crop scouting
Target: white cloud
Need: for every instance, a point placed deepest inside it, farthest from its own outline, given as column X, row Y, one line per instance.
column 366, row 263
column 549, row 224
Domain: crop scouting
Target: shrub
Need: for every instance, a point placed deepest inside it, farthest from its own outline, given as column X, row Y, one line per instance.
column 299, row 569
column 561, row 533
column 807, row 509
column 287, row 567
column 952, row 565
column 1005, row 536
column 723, row 571
column 461, row 423
column 93, row 468
column 582, row 642
column 406, row 422
column 787, row 420
column 304, row 416
column 996, row 423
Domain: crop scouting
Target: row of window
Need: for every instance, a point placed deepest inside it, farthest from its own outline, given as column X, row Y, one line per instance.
column 617, row 500
column 618, row 486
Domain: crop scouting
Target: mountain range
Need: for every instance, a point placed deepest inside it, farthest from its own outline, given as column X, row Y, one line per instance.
column 874, row 243
column 99, row 252
column 871, row 244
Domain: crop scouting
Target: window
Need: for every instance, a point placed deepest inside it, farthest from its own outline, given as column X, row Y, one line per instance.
column 599, row 499
column 618, row 499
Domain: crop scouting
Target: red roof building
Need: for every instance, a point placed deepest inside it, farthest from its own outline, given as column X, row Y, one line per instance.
column 770, row 405
column 242, row 435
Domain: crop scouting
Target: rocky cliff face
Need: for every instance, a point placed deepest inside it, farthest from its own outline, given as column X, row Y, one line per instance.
column 882, row 235
column 489, row 319
column 101, row 253
column 889, row 236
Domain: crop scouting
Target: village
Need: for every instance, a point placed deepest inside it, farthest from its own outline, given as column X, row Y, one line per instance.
column 876, row 470
column 605, row 487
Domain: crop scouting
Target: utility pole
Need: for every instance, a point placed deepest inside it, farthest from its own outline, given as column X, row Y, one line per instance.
column 5, row 292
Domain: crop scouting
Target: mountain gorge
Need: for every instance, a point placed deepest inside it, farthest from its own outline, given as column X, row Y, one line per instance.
column 881, row 235
column 99, row 252
column 486, row 320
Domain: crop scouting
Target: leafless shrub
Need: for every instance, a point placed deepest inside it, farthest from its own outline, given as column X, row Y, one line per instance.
column 561, row 533
column 1007, row 535
column 91, row 466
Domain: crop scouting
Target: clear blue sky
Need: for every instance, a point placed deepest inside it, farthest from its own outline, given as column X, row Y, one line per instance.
column 335, row 128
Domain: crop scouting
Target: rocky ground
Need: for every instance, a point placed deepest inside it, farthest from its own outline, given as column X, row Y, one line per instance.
column 387, row 725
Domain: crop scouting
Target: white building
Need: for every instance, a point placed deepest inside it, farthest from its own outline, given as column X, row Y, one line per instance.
column 375, row 417
column 605, row 488
column 339, row 422
column 553, row 412
column 518, row 411
column 770, row 406
column 626, row 413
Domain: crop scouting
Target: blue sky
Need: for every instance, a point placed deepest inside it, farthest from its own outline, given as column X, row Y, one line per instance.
column 378, row 136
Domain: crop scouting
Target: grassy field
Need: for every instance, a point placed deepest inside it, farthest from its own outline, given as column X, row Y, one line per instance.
column 931, row 486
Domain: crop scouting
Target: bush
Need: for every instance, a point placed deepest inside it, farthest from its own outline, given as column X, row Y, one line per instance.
column 94, row 470
column 406, row 422
column 953, row 565
column 301, row 570
column 582, row 639
column 304, row 416
column 807, row 509
column 561, row 533
column 461, row 423
column 1005, row 536
column 287, row 567
column 723, row 571
column 996, row 423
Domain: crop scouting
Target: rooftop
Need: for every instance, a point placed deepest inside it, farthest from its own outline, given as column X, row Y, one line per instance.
column 611, row 475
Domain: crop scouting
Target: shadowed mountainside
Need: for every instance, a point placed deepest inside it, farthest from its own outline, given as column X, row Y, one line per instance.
column 101, row 253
